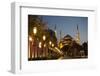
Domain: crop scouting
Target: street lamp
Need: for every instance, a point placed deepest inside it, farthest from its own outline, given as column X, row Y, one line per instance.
column 50, row 42
column 35, row 46
column 30, row 47
column 44, row 45
column 52, row 45
column 44, row 37
column 34, row 30
column 30, row 38
column 40, row 44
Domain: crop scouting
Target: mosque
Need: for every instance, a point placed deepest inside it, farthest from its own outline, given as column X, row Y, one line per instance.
column 70, row 46
column 66, row 40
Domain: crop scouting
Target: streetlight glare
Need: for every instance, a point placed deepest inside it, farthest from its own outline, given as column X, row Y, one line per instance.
column 34, row 30
column 50, row 42
column 44, row 37
column 52, row 45
column 44, row 45
column 40, row 44
column 30, row 38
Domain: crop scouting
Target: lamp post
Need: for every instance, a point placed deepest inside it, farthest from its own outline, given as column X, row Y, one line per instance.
column 30, row 38
column 35, row 32
column 44, row 37
column 30, row 48
column 40, row 44
column 50, row 43
column 44, row 51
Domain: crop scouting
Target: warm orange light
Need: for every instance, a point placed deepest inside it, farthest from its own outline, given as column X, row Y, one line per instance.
column 40, row 44
column 44, row 37
column 34, row 30
column 44, row 45
column 50, row 42
column 30, row 38
column 52, row 45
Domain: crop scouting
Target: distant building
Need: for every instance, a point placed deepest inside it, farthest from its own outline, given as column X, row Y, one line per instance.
column 70, row 47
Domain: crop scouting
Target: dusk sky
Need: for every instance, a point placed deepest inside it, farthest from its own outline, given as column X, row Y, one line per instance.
column 68, row 25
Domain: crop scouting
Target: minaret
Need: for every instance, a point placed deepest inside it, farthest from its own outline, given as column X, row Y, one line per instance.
column 55, row 29
column 78, row 36
column 60, row 35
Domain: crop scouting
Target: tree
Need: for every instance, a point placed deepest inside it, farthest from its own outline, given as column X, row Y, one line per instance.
column 85, row 48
